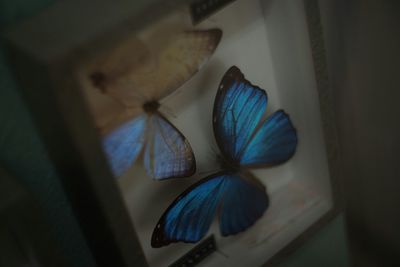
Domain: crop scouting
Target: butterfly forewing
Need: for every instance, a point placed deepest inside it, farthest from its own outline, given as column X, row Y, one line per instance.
column 184, row 55
column 110, row 72
column 238, row 109
column 244, row 137
column 134, row 74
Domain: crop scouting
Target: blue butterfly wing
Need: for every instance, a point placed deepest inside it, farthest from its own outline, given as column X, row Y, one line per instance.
column 238, row 109
column 123, row 145
column 243, row 205
column 273, row 143
column 168, row 153
column 189, row 217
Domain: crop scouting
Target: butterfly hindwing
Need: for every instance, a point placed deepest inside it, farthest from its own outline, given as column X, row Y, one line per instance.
column 167, row 153
column 123, row 145
column 243, row 205
column 189, row 217
column 274, row 142
column 238, row 108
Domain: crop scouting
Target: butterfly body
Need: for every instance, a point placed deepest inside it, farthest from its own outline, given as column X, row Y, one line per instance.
column 151, row 106
column 227, row 165
column 246, row 140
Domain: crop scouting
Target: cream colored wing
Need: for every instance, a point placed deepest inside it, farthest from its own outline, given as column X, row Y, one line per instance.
column 110, row 72
column 105, row 71
column 135, row 72
column 107, row 112
column 176, row 62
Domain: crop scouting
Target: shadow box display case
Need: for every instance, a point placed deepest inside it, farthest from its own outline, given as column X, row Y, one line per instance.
column 185, row 133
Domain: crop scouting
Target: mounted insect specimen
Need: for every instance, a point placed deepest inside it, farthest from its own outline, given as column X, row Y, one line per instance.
column 134, row 85
column 247, row 140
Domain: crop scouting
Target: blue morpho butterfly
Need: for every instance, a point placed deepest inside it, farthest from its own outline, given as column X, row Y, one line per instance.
column 136, row 80
column 247, row 140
